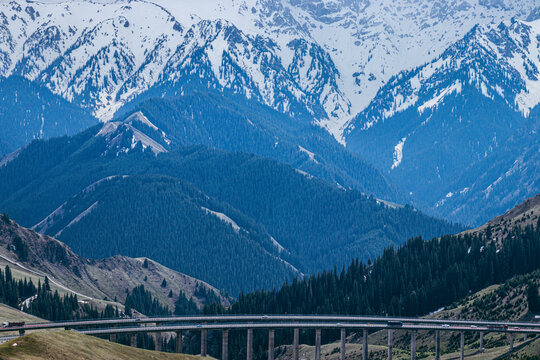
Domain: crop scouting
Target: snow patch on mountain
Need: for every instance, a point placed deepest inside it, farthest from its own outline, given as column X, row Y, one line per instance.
column 500, row 61
column 224, row 218
column 310, row 154
column 430, row 104
column 329, row 56
column 398, row 153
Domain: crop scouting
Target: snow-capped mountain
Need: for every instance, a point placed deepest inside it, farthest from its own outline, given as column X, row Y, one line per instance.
column 461, row 130
column 325, row 58
column 135, row 131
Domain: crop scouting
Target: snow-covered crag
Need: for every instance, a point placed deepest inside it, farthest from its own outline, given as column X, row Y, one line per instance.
column 324, row 58
column 461, row 130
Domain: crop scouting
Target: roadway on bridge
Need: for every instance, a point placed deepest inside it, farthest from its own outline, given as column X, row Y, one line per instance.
column 333, row 320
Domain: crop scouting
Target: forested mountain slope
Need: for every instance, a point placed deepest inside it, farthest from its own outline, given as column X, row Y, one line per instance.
column 415, row 279
column 232, row 123
column 325, row 59
column 289, row 216
column 30, row 111
column 461, row 132
column 32, row 255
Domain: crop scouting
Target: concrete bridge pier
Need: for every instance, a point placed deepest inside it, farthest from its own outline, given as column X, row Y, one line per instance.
column 249, row 352
column 413, row 345
column 318, row 344
column 157, row 341
column 525, row 337
column 437, row 345
column 133, row 340
column 225, row 344
column 112, row 337
column 204, row 342
column 271, row 336
column 342, row 347
column 481, row 348
column 365, row 349
column 179, row 342
column 511, row 342
column 462, row 346
column 390, row 343
column 296, row 340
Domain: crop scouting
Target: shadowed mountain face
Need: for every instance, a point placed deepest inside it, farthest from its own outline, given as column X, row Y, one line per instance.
column 234, row 124
column 235, row 220
column 324, row 59
column 461, row 132
column 441, row 98
column 30, row 111
column 31, row 254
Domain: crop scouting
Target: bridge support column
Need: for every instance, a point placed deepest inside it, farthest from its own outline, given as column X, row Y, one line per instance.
column 462, row 346
column 437, row 345
column 157, row 341
column 365, row 349
column 318, row 344
column 413, row 345
column 342, row 348
column 271, row 336
column 224, row 344
column 511, row 342
column 524, row 337
column 204, row 341
column 249, row 352
column 390, row 343
column 21, row 332
column 112, row 337
column 133, row 340
column 179, row 342
column 296, row 340
column 481, row 348
column 157, row 338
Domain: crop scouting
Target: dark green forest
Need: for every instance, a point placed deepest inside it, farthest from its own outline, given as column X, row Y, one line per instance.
column 413, row 280
column 164, row 219
column 141, row 300
column 318, row 224
column 45, row 303
column 50, row 114
column 419, row 277
column 233, row 123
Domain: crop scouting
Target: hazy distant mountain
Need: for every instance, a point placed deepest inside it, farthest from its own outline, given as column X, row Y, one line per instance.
column 30, row 111
column 325, row 58
column 236, row 220
column 461, row 132
column 234, row 124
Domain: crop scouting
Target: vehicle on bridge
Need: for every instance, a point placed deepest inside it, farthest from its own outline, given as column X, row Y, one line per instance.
column 6, row 324
column 498, row 327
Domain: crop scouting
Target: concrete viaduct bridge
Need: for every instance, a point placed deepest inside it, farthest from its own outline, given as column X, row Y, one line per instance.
column 363, row 324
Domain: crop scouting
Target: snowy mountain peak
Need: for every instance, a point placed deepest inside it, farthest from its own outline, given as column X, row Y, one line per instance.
column 135, row 131
column 501, row 61
column 323, row 59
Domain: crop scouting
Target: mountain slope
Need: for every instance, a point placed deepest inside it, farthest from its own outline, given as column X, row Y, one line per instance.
column 73, row 345
column 465, row 123
column 315, row 223
column 233, row 124
column 166, row 219
column 29, row 111
column 326, row 58
column 34, row 254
